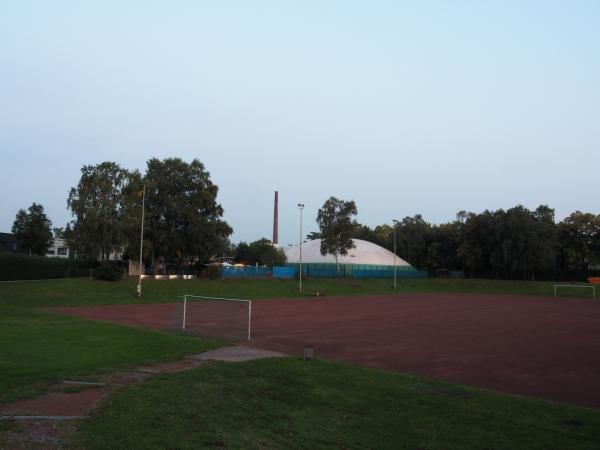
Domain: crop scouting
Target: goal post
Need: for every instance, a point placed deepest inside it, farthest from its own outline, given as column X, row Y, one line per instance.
column 219, row 317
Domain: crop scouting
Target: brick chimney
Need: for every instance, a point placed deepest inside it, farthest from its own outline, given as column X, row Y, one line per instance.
column 276, row 221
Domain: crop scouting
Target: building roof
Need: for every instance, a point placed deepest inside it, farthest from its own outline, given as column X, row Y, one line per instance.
column 364, row 252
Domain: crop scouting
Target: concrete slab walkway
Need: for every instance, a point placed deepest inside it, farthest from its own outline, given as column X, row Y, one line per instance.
column 236, row 353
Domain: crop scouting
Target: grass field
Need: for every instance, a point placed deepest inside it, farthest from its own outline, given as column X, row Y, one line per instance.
column 81, row 291
column 287, row 403
column 264, row 404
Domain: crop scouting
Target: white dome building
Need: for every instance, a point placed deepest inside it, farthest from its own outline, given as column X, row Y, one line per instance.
column 364, row 253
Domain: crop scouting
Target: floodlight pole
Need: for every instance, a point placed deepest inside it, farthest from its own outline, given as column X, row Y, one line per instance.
column 300, row 207
column 395, row 283
column 139, row 287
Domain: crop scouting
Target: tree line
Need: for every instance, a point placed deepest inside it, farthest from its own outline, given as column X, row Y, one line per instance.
column 183, row 225
column 511, row 243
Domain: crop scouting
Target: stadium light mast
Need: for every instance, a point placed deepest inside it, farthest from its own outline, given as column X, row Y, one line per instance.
column 300, row 207
column 395, row 224
column 139, row 286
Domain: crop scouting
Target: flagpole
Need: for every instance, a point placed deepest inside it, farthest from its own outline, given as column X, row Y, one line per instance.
column 139, row 287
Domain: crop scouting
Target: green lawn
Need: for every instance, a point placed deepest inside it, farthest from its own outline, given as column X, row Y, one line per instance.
column 82, row 291
column 288, row 403
column 38, row 349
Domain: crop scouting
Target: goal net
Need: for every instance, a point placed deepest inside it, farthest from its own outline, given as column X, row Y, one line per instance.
column 214, row 317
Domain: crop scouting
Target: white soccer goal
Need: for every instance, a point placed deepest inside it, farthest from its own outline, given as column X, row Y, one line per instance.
column 588, row 286
column 220, row 317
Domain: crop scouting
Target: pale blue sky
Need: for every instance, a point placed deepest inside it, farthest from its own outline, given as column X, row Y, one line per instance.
column 405, row 107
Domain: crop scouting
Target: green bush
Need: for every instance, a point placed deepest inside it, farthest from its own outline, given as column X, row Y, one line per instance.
column 214, row 272
column 19, row 266
column 108, row 271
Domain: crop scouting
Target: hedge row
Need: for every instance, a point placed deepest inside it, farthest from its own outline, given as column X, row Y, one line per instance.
column 18, row 266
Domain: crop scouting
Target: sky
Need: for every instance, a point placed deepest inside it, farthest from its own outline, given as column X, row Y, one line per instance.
column 423, row 107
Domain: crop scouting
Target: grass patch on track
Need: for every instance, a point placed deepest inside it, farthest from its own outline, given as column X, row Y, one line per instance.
column 287, row 403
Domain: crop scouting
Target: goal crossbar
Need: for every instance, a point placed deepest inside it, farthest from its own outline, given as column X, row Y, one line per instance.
column 209, row 298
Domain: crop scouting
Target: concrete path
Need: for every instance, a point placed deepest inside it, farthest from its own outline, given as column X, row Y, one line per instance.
column 236, row 353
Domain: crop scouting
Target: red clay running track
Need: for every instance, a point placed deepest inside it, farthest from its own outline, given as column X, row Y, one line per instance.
column 536, row 346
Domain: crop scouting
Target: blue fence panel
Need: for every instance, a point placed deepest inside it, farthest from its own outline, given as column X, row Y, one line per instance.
column 347, row 271
column 390, row 274
column 373, row 273
column 285, row 272
column 324, row 272
column 244, row 272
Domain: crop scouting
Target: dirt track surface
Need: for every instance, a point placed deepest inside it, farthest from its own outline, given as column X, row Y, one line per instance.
column 536, row 346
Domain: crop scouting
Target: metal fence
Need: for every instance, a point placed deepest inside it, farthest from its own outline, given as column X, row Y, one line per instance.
column 285, row 272
column 390, row 273
column 348, row 271
column 322, row 271
column 244, row 272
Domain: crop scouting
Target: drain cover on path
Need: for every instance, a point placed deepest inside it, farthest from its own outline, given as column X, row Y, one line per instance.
column 237, row 353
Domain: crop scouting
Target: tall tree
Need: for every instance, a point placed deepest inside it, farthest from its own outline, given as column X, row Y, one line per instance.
column 33, row 230
column 337, row 224
column 362, row 232
column 184, row 221
column 580, row 239
column 384, row 235
column 413, row 240
column 477, row 241
column 442, row 252
column 97, row 203
column 544, row 248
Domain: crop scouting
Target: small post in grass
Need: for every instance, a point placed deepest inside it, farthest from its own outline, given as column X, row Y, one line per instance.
column 309, row 352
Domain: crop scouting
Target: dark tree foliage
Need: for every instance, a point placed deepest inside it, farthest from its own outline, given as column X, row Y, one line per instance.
column 183, row 219
column 442, row 252
column 108, row 271
column 413, row 237
column 512, row 243
column 274, row 256
column 33, row 230
column 244, row 255
column 182, row 223
column 580, row 237
column 261, row 252
column 99, row 203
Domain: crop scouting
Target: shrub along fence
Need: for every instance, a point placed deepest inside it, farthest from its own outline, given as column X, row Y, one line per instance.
column 18, row 266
